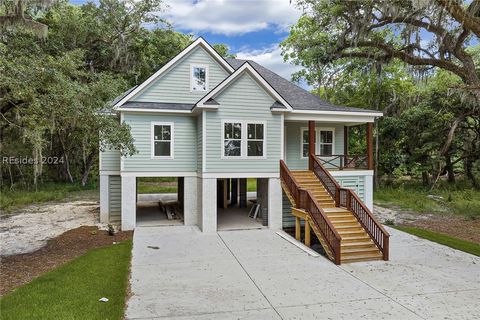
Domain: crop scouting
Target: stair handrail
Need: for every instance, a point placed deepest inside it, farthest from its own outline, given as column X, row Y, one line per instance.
column 347, row 198
column 304, row 199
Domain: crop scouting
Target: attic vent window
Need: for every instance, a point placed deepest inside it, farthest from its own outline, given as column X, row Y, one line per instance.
column 199, row 78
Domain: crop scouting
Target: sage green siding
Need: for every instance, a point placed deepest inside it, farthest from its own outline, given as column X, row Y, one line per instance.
column 355, row 183
column 293, row 147
column 243, row 100
column 110, row 160
column 174, row 85
column 184, row 142
column 114, row 201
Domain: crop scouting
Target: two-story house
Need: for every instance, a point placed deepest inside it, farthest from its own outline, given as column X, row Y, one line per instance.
column 213, row 122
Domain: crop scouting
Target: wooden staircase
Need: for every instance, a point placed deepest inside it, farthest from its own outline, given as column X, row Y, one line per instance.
column 355, row 244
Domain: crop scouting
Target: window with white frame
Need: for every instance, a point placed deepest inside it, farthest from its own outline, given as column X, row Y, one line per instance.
column 199, row 78
column 162, row 140
column 243, row 139
column 326, row 142
column 255, row 139
column 305, row 142
column 232, row 139
column 325, row 145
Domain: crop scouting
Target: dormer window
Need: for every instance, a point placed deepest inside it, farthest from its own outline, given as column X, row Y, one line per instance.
column 199, row 78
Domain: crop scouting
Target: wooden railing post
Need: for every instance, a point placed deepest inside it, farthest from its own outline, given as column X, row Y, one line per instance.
column 386, row 245
column 349, row 201
column 337, row 197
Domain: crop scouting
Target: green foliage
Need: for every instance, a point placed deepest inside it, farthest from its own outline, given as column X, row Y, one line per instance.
column 72, row 290
column 459, row 199
column 223, row 49
column 19, row 197
column 462, row 245
column 56, row 93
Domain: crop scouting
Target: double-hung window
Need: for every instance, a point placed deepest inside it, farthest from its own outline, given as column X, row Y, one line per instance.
column 255, row 140
column 162, row 140
column 198, row 77
column 232, row 139
column 324, row 142
column 243, row 139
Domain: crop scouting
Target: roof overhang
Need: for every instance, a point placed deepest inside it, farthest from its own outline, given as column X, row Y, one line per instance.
column 246, row 67
column 199, row 42
column 332, row 116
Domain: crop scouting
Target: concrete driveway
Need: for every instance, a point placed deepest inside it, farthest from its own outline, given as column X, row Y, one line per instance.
column 180, row 273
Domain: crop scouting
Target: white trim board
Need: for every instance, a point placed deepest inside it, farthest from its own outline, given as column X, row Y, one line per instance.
column 157, row 174
column 223, row 175
column 109, row 173
column 350, row 173
column 341, row 117
column 199, row 41
column 246, row 67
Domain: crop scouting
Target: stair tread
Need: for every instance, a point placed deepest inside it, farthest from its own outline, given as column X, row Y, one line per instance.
column 374, row 249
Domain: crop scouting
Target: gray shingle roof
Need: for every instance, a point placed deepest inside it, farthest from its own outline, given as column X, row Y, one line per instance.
column 298, row 98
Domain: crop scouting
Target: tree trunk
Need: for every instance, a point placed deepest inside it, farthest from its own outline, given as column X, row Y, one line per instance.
column 87, row 167
column 66, row 162
column 425, row 179
column 449, row 169
column 469, row 173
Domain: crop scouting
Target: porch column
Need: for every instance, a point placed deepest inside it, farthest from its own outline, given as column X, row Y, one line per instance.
column 370, row 146
column 311, row 143
column 129, row 203
column 190, row 201
column 104, row 198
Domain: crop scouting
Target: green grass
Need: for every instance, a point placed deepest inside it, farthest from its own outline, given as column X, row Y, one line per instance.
column 466, row 246
column 14, row 199
column 72, row 290
column 156, row 185
column 457, row 199
column 251, row 184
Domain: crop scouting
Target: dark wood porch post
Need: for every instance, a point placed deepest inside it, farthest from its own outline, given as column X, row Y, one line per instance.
column 370, row 146
column 311, row 143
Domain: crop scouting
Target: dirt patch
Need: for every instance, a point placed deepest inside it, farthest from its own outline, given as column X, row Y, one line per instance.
column 452, row 225
column 17, row 270
column 29, row 229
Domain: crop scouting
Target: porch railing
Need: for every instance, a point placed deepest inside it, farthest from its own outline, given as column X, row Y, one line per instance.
column 305, row 200
column 348, row 199
column 343, row 161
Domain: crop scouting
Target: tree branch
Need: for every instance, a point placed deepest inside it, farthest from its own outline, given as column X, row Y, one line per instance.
column 467, row 20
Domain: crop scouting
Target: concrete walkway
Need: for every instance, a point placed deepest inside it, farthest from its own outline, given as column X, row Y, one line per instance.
column 180, row 273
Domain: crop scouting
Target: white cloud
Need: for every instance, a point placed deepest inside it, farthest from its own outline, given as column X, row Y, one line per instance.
column 231, row 17
column 272, row 59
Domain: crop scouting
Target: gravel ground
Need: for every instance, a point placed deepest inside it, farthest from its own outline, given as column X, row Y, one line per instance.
column 29, row 229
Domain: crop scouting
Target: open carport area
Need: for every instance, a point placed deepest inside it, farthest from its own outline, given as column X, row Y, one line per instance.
column 179, row 272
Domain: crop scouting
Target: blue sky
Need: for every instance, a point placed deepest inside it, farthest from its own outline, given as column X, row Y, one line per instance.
column 251, row 28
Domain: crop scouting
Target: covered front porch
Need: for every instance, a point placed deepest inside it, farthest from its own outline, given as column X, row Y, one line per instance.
column 351, row 163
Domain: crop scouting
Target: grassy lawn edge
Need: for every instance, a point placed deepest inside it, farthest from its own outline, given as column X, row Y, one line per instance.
column 459, row 244
column 72, row 291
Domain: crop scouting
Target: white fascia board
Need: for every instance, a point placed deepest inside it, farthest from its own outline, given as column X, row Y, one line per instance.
column 193, row 45
column 154, row 110
column 350, row 173
column 245, row 67
column 351, row 113
column 344, row 117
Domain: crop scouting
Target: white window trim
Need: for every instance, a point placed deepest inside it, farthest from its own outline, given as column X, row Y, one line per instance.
column 152, row 139
column 194, row 65
column 243, row 145
column 317, row 137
